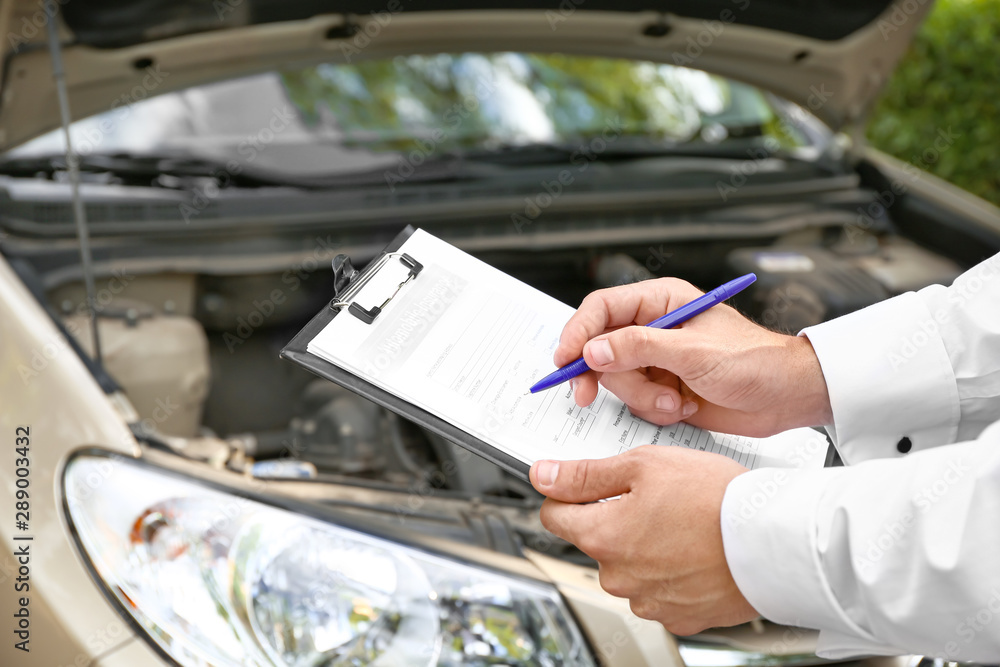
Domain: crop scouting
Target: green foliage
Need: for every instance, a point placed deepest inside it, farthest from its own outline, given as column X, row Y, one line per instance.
column 948, row 83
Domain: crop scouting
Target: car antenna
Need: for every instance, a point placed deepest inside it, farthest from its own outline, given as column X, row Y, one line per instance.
column 73, row 166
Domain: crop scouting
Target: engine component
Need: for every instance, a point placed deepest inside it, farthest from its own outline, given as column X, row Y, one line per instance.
column 253, row 389
column 161, row 361
column 341, row 432
column 241, row 306
column 902, row 266
column 800, row 287
column 617, row 269
column 284, row 469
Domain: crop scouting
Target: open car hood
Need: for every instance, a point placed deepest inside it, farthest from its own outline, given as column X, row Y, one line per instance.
column 829, row 56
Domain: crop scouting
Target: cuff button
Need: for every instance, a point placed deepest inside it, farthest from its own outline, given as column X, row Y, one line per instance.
column 904, row 445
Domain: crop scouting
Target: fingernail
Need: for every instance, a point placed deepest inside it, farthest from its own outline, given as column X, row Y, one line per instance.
column 600, row 350
column 573, row 384
column 690, row 407
column 546, row 472
column 666, row 402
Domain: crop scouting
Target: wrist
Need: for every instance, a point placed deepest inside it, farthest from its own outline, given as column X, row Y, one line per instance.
column 807, row 395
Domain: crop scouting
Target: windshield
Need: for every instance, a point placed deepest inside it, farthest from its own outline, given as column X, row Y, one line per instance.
column 341, row 118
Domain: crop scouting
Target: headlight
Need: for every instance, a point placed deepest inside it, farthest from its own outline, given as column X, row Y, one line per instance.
column 216, row 579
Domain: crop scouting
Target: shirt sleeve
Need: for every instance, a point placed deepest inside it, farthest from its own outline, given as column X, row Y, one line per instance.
column 888, row 557
column 916, row 371
column 896, row 553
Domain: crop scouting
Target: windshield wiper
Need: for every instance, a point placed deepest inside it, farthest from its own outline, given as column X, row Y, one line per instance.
column 148, row 170
column 136, row 169
column 622, row 147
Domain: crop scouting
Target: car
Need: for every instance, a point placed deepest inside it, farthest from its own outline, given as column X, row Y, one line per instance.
column 176, row 493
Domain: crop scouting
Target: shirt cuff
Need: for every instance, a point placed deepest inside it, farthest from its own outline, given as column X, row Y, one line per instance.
column 881, row 364
column 769, row 536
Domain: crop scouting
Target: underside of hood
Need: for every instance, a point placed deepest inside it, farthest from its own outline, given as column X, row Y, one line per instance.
column 831, row 58
column 111, row 23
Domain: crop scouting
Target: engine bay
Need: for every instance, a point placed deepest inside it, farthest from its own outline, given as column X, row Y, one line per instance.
column 197, row 353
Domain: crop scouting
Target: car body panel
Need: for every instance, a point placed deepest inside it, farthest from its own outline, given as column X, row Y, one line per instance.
column 114, row 24
column 618, row 636
column 46, row 387
column 976, row 220
column 837, row 80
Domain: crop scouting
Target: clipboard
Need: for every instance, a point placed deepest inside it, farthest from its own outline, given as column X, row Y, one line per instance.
column 347, row 282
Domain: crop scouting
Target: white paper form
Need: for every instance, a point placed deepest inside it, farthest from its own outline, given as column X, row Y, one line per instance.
column 464, row 341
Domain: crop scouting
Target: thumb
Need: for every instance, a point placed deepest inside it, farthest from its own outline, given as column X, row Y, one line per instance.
column 583, row 481
column 638, row 347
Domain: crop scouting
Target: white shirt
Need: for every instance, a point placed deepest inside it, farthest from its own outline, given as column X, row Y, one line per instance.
column 897, row 552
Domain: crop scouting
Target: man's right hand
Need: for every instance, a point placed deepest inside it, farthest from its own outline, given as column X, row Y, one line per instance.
column 718, row 371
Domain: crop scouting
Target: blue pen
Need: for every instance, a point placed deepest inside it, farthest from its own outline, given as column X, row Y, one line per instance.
column 671, row 319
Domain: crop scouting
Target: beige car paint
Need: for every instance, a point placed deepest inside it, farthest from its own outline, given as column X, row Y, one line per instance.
column 904, row 176
column 836, row 80
column 161, row 362
column 44, row 386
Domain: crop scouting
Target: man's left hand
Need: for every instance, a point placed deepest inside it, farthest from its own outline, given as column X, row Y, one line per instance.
column 660, row 543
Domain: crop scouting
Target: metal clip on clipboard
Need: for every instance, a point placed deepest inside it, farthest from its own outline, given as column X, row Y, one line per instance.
column 297, row 352
column 348, row 282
